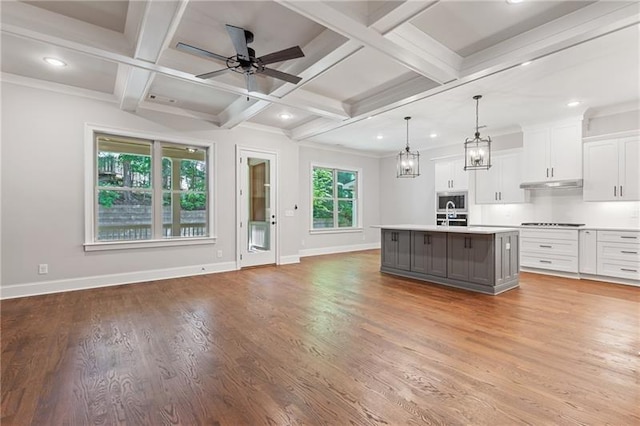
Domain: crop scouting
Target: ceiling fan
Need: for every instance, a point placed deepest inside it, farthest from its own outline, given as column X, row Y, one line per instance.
column 245, row 61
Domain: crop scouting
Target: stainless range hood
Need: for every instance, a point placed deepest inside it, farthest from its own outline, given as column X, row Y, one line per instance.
column 556, row 184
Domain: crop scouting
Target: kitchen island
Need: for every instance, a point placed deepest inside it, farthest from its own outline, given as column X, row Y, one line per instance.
column 482, row 259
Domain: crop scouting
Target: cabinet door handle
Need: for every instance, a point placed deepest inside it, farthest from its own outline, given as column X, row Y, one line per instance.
column 621, row 190
column 547, row 172
column 496, row 194
column 543, row 246
column 500, row 195
column 615, row 188
column 628, row 270
column 629, row 237
column 545, row 261
column 552, row 172
column 628, row 252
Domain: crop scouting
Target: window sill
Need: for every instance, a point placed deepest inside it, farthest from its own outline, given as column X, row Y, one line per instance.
column 124, row 245
column 335, row 231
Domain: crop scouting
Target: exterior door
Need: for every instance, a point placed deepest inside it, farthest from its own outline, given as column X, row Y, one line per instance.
column 258, row 213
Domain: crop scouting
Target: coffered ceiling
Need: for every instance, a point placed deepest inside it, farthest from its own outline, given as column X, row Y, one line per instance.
column 367, row 64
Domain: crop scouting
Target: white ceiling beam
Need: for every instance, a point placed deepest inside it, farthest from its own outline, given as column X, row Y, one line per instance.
column 329, row 49
column 333, row 19
column 397, row 15
column 157, row 27
column 583, row 25
column 31, row 33
column 578, row 27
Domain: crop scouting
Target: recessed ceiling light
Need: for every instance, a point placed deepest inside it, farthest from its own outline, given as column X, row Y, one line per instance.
column 524, row 64
column 285, row 116
column 55, row 62
column 573, row 104
column 379, row 137
column 433, row 135
column 514, row 1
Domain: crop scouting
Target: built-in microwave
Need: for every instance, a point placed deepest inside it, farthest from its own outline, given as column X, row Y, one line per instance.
column 459, row 200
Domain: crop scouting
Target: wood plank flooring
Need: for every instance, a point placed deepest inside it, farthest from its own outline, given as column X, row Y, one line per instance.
column 330, row 341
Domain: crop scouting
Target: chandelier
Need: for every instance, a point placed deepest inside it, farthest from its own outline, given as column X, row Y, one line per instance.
column 477, row 151
column 408, row 162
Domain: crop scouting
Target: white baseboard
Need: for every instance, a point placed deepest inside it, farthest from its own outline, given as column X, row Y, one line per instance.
column 613, row 280
column 287, row 260
column 338, row 249
column 58, row 286
column 550, row 272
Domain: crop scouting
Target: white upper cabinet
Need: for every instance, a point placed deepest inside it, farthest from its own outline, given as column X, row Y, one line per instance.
column 501, row 183
column 611, row 170
column 451, row 176
column 553, row 151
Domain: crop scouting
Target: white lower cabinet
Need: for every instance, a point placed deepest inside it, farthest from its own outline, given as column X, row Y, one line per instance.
column 618, row 254
column 588, row 251
column 552, row 249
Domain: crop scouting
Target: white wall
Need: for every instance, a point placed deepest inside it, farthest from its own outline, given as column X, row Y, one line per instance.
column 312, row 243
column 42, row 187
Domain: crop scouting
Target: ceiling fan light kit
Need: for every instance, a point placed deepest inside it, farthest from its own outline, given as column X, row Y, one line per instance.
column 245, row 61
column 477, row 151
column 408, row 163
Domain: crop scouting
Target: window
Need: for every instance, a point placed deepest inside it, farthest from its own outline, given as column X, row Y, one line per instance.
column 335, row 198
column 148, row 190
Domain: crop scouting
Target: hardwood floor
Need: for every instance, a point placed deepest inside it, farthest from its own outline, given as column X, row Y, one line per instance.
column 329, row 341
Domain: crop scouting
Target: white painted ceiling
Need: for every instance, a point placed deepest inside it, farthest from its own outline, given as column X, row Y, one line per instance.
column 380, row 59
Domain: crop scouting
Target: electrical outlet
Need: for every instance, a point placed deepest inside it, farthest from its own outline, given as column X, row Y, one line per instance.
column 219, row 253
column 43, row 269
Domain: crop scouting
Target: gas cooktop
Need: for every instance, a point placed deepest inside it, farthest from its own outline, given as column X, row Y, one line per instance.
column 558, row 225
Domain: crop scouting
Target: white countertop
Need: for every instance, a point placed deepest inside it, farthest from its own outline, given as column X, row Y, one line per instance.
column 577, row 228
column 451, row 229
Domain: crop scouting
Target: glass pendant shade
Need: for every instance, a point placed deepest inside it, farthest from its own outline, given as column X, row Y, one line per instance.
column 408, row 163
column 477, row 151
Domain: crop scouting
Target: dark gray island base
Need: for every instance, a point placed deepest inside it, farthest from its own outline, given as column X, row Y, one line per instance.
column 484, row 260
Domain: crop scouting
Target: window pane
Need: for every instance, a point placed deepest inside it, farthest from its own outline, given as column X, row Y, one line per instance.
column 322, row 214
column 347, row 184
column 184, row 168
column 124, row 215
column 346, row 214
column 184, row 214
column 322, row 183
column 123, row 162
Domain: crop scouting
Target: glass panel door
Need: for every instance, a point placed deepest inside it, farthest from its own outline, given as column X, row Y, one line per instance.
column 258, row 213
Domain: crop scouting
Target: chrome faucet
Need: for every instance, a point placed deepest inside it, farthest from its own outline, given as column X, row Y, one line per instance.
column 453, row 205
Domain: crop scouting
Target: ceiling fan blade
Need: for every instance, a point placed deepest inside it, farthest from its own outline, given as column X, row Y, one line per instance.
column 199, row 52
column 239, row 41
column 282, row 55
column 280, row 75
column 252, row 83
column 212, row 73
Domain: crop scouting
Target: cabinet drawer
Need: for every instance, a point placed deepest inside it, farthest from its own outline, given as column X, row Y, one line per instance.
column 554, row 262
column 619, row 236
column 548, row 247
column 546, row 234
column 619, row 251
column 619, row 268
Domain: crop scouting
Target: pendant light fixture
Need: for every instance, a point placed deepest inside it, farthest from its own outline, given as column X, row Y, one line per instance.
column 408, row 162
column 477, row 151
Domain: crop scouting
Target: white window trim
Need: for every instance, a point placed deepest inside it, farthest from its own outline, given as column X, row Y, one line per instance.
column 359, row 215
column 90, row 244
